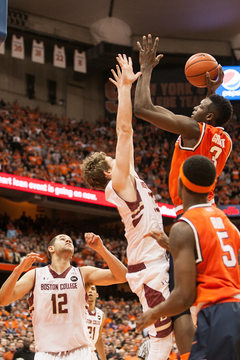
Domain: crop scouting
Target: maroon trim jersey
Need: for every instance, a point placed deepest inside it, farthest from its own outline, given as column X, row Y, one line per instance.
column 94, row 321
column 57, row 305
column 139, row 218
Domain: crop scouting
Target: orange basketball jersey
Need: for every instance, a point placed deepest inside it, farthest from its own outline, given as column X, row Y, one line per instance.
column 218, row 277
column 213, row 143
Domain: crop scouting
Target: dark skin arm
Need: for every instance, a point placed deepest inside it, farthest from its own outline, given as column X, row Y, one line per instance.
column 161, row 238
column 144, row 109
column 182, row 247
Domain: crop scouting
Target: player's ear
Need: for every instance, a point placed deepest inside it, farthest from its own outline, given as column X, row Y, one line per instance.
column 51, row 249
column 210, row 117
column 108, row 173
column 97, row 295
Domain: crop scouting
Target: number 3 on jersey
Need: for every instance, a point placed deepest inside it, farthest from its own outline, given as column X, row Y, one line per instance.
column 91, row 330
column 216, row 151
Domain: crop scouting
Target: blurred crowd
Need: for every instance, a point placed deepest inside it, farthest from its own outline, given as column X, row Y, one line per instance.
column 24, row 235
column 43, row 146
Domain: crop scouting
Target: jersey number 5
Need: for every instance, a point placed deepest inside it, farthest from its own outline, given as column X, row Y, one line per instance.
column 230, row 259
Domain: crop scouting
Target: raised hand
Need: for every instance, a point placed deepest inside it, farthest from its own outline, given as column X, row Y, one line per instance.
column 125, row 74
column 147, row 53
column 212, row 85
column 93, row 241
column 28, row 261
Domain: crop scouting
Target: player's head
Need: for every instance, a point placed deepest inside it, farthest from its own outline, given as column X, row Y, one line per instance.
column 197, row 175
column 214, row 109
column 222, row 109
column 61, row 242
column 92, row 294
column 96, row 170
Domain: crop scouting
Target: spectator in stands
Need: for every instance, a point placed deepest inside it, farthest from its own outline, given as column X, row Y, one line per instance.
column 9, row 354
column 25, row 353
column 11, row 232
column 2, row 351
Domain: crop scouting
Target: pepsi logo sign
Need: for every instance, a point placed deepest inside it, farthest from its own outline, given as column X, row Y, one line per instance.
column 230, row 88
column 231, row 80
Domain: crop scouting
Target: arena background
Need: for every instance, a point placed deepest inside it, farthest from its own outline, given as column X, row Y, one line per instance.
column 88, row 95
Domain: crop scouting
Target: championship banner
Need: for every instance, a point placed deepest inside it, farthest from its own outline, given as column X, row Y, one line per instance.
column 14, row 182
column 80, row 64
column 38, row 54
column 59, row 57
column 169, row 88
column 2, row 48
column 18, row 47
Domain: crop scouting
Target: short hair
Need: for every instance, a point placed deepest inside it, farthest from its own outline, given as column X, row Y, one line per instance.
column 222, row 109
column 93, row 168
column 199, row 170
column 51, row 243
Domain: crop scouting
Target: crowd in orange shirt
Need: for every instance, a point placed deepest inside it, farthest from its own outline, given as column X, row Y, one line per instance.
column 43, row 146
column 24, row 235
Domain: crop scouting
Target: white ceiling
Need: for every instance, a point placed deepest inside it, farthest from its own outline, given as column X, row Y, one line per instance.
column 188, row 19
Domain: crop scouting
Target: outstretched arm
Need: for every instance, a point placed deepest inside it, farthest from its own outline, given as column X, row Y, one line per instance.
column 12, row 289
column 123, row 80
column 116, row 274
column 182, row 247
column 143, row 106
column 99, row 344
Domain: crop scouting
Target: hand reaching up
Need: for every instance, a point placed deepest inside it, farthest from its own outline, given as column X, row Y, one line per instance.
column 124, row 74
column 148, row 58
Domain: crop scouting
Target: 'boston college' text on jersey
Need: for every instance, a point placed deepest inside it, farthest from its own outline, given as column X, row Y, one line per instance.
column 57, row 306
column 94, row 321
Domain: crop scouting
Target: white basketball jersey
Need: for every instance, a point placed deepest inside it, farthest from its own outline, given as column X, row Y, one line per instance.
column 94, row 320
column 139, row 218
column 57, row 306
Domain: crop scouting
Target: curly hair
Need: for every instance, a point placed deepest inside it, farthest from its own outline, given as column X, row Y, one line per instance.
column 93, row 168
column 222, row 109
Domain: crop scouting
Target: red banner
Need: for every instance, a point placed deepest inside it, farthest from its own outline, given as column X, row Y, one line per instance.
column 47, row 188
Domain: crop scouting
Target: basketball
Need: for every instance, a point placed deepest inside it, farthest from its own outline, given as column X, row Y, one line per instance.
column 197, row 66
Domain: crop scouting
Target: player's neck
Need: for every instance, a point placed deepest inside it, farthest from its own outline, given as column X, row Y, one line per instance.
column 91, row 307
column 60, row 265
column 194, row 201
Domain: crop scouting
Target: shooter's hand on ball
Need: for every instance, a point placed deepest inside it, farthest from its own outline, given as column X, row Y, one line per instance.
column 212, row 85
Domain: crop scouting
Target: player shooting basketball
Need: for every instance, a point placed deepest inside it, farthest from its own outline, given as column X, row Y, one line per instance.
column 202, row 134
